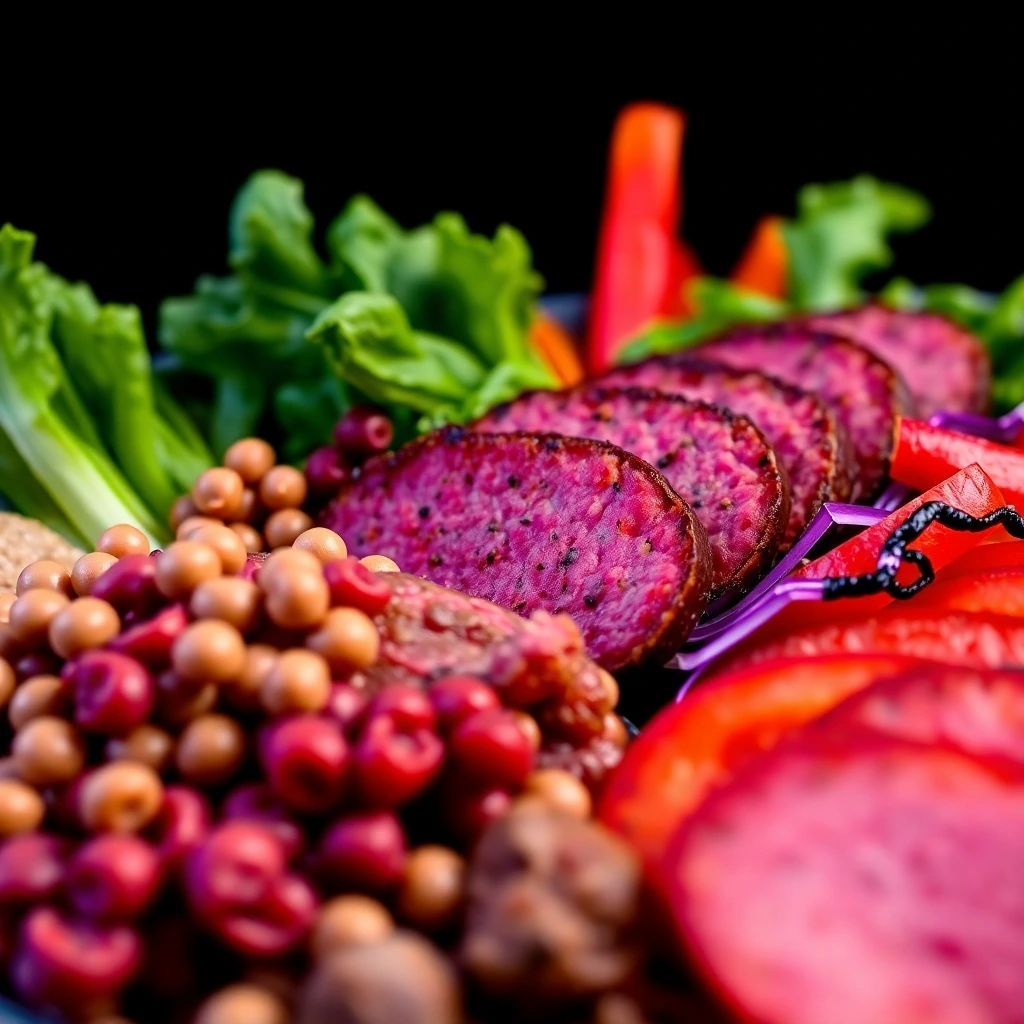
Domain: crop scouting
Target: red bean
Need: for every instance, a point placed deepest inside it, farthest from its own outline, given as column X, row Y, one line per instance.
column 456, row 698
column 113, row 878
column 469, row 812
column 394, row 763
column 257, row 802
column 151, row 641
column 363, row 430
column 306, row 761
column 408, row 706
column 181, row 825
column 112, row 692
column 346, row 706
column 363, row 853
column 32, row 868
column 130, row 586
column 326, row 470
column 492, row 749
column 352, row 584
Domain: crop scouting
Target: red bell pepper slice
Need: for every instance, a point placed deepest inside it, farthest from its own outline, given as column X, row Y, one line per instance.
column 1000, row 591
column 1006, row 554
column 693, row 745
column 764, row 265
column 641, row 264
column 923, row 455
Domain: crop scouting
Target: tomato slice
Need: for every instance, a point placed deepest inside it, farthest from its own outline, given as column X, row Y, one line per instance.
column 692, row 745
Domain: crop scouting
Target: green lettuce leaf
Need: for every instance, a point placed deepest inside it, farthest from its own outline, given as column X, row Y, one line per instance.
column 361, row 241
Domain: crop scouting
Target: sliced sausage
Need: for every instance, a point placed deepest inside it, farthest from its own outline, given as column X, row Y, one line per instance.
column 841, row 883
column 809, row 443
column 719, row 463
column 539, row 522
column 945, row 366
column 865, row 392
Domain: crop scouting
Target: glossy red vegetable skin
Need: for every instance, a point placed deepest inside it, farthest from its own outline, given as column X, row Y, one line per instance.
column 999, row 590
column 698, row 743
column 641, row 265
column 1003, row 554
column 764, row 265
column 924, row 455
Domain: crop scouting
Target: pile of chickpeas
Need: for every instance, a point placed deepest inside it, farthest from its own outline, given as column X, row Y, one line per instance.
column 195, row 798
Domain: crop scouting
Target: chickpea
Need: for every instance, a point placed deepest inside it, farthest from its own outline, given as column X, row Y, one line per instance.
column 283, row 487
column 229, row 598
column 297, row 599
column 243, row 694
column 7, row 682
column 285, row 526
column 299, row 681
column 380, row 563
column 286, row 561
column 182, row 508
column 211, row 749
column 251, row 537
column 560, row 791
column 228, row 545
column 433, row 887
column 530, row 728
column 611, row 687
column 8, row 768
column 123, row 540
column 48, row 752
column 189, row 526
column 32, row 613
column 21, row 808
column 11, row 648
column 349, row 921
column 218, row 492
column 123, row 796
column 348, row 639
column 209, row 651
column 83, row 625
column 251, row 458
column 6, row 600
column 148, row 744
column 45, row 574
column 243, row 1004
column 325, row 544
column 36, row 697
column 88, row 569
column 183, row 566
column 250, row 507
column 615, row 730
column 179, row 702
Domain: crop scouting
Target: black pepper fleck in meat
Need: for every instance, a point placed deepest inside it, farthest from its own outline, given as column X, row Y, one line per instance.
column 491, row 556
column 666, row 460
column 540, row 567
column 435, row 560
column 554, row 535
column 525, row 521
column 424, row 511
column 467, row 479
column 590, row 601
column 513, row 480
column 569, row 557
column 616, row 487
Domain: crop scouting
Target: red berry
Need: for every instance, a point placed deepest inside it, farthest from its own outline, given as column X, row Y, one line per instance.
column 408, row 706
column 113, row 878
column 151, row 641
column 492, row 749
column 253, row 564
column 392, row 764
column 352, row 584
column 72, row 964
column 363, row 430
column 306, row 760
column 363, row 853
column 346, row 706
column 274, row 926
column 257, row 802
column 181, row 825
column 112, row 692
column 469, row 812
column 31, row 868
column 326, row 470
column 130, row 586
column 457, row 697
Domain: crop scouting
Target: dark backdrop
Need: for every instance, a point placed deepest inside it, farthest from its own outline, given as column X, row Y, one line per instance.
column 127, row 167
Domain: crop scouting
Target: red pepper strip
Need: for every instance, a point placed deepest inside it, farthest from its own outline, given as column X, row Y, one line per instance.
column 764, row 265
column 556, row 347
column 923, row 455
column 1000, row 591
column 1007, row 554
column 641, row 266
column 974, row 639
column 692, row 745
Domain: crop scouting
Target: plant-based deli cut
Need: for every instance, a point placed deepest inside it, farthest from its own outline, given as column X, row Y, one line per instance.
column 865, row 392
column 720, row 464
column 534, row 521
column 809, row 443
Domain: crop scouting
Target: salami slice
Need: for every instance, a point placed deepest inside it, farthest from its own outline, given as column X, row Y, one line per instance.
column 532, row 521
column 841, row 883
column 945, row 366
column 865, row 393
column 810, row 445
column 719, row 463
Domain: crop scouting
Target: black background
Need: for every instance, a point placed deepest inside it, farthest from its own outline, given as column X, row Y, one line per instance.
column 124, row 156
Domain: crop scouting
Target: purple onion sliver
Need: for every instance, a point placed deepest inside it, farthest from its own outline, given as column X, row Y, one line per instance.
column 893, row 497
column 830, row 515
column 1005, row 429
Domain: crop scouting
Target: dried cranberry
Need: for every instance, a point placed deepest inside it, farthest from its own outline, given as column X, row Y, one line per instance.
column 72, row 964
column 491, row 748
column 257, row 802
column 113, row 878
column 237, row 886
column 346, row 706
column 306, row 760
column 326, row 470
column 352, row 584
column 181, row 825
column 457, row 697
column 31, row 868
column 112, row 692
column 362, row 853
column 37, row 663
column 363, row 430
column 253, row 564
column 408, row 706
column 393, row 764
column 150, row 642
column 469, row 812
column 130, row 586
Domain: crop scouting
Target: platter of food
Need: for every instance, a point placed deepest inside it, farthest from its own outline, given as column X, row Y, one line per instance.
column 387, row 641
